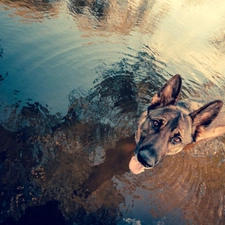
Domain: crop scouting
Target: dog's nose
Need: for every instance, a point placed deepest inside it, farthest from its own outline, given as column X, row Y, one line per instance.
column 147, row 157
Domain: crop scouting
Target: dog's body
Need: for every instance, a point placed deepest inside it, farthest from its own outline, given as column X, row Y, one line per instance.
column 169, row 125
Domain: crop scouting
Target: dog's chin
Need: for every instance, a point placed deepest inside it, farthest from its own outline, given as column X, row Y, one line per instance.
column 135, row 166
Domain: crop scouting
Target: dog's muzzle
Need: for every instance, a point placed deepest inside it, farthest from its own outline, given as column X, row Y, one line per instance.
column 147, row 156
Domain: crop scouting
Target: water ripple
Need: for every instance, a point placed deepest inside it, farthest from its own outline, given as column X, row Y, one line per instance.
column 181, row 181
column 75, row 76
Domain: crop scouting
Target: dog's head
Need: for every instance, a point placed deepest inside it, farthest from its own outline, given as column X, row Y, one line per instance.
column 166, row 128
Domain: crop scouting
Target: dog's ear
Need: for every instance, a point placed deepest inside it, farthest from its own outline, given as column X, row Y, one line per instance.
column 205, row 115
column 168, row 94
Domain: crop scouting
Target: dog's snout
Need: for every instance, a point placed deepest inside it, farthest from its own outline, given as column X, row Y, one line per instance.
column 147, row 157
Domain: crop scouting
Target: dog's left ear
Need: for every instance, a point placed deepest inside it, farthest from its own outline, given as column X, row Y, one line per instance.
column 168, row 94
column 205, row 115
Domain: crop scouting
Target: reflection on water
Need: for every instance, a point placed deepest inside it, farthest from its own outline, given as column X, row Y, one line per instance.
column 74, row 78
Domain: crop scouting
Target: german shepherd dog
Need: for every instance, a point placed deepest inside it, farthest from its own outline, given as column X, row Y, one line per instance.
column 168, row 125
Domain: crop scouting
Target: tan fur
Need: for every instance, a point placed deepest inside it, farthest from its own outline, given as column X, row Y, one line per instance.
column 178, row 124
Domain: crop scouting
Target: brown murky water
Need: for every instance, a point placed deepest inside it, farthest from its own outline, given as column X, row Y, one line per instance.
column 74, row 78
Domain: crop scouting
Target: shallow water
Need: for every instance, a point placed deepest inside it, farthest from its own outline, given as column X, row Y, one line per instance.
column 74, row 78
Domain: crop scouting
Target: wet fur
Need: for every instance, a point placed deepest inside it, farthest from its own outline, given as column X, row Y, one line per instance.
column 189, row 120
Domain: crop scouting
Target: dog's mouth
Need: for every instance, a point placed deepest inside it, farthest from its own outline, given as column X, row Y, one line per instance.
column 136, row 167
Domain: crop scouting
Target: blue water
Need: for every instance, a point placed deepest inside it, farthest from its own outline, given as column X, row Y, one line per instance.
column 74, row 77
column 49, row 53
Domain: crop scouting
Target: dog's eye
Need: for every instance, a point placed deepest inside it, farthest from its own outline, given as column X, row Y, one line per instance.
column 155, row 123
column 176, row 140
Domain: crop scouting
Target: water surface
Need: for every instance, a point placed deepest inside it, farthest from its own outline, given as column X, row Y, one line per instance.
column 74, row 78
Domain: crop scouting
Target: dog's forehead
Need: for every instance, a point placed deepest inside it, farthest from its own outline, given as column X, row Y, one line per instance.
column 168, row 112
column 174, row 115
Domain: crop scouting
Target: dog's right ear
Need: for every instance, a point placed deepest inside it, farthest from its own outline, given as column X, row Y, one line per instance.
column 168, row 94
column 204, row 116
